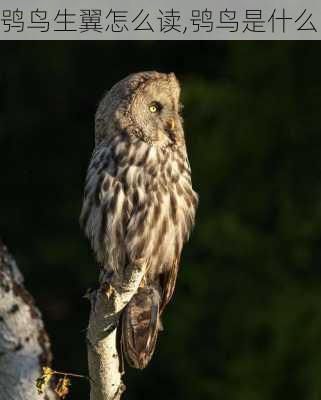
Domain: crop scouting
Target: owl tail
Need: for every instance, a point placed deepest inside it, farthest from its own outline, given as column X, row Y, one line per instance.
column 140, row 326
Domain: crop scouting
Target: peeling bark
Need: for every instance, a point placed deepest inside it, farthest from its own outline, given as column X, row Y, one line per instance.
column 24, row 343
column 106, row 305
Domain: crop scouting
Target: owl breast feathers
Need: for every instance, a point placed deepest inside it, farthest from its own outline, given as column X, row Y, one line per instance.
column 139, row 205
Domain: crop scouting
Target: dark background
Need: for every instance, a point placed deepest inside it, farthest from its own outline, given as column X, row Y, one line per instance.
column 245, row 322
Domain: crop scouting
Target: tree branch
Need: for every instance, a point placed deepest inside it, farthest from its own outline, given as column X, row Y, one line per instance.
column 25, row 346
column 106, row 306
column 24, row 343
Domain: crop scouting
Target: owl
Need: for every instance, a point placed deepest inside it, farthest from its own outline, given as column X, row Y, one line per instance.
column 139, row 205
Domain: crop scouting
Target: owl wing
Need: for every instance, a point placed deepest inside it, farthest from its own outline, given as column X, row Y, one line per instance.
column 106, row 208
column 168, row 284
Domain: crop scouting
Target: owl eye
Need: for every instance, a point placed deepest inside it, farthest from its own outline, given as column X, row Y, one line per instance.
column 154, row 107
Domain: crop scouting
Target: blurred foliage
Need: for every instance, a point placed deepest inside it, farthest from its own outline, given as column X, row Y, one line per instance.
column 245, row 322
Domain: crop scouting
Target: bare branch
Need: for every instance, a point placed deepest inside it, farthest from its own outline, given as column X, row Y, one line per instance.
column 103, row 358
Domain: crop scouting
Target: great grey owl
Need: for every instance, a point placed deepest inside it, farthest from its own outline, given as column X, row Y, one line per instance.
column 139, row 205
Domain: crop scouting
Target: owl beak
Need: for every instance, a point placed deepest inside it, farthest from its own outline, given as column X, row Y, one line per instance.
column 173, row 129
column 170, row 128
column 172, row 124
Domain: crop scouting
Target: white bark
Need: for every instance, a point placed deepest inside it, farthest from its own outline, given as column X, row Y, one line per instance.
column 24, row 344
column 103, row 358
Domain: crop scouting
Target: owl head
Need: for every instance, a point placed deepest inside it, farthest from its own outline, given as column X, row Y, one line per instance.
column 144, row 104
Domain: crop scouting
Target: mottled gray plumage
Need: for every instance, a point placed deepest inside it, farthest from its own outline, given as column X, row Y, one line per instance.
column 139, row 205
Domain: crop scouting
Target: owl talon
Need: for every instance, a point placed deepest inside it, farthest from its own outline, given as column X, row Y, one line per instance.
column 143, row 283
column 107, row 289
